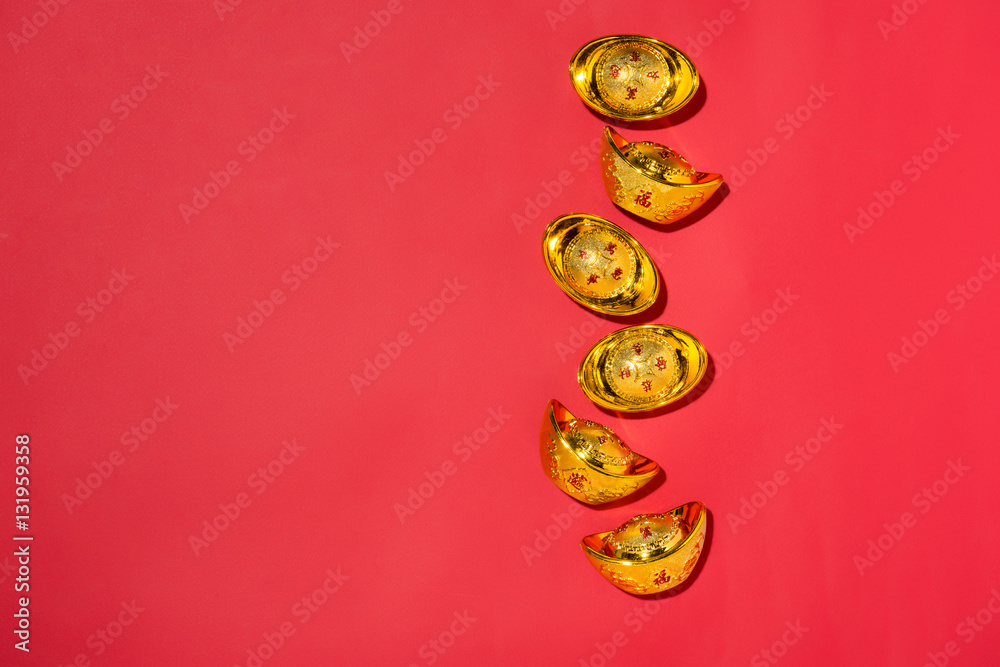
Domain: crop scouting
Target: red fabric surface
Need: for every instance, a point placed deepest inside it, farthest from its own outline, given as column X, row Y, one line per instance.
column 218, row 308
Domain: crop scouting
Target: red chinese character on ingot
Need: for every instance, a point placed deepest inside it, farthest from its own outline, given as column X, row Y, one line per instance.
column 647, row 384
column 577, row 480
column 638, row 348
column 661, row 363
column 584, row 254
column 653, row 75
column 634, row 57
column 661, row 578
column 617, row 273
column 625, row 373
column 602, row 439
column 610, row 248
column 642, row 199
column 615, row 71
column 646, row 532
column 592, row 278
column 630, row 92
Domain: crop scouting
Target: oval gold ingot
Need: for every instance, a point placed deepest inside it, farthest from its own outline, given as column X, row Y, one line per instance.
column 633, row 77
column 600, row 265
column 588, row 460
column 651, row 180
column 650, row 553
column 642, row 367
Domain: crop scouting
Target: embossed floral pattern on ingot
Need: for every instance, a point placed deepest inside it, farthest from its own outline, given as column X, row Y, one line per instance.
column 642, row 367
column 599, row 265
column 588, row 460
column 633, row 77
column 650, row 553
column 651, row 180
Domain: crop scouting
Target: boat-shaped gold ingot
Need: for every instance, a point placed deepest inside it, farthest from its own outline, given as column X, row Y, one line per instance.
column 651, row 180
column 633, row 77
column 642, row 367
column 650, row 553
column 599, row 265
column 588, row 460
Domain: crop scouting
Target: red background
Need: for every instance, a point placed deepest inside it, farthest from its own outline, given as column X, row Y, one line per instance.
column 509, row 340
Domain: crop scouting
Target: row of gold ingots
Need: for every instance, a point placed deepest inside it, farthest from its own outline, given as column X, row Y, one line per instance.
column 603, row 267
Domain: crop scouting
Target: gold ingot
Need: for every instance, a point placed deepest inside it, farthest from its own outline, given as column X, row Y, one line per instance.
column 650, row 553
column 651, row 180
column 588, row 460
column 600, row 265
column 632, row 77
column 642, row 367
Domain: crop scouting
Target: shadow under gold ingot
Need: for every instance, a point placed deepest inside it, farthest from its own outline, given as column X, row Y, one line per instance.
column 600, row 265
column 633, row 77
column 588, row 460
column 642, row 367
column 651, row 180
column 650, row 553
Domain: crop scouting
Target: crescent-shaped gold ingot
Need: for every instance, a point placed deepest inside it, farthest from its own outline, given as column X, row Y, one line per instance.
column 588, row 460
column 642, row 367
column 633, row 77
column 650, row 553
column 651, row 180
column 600, row 265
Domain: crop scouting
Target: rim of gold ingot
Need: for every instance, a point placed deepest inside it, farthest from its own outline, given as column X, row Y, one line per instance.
column 588, row 460
column 642, row 367
column 600, row 265
column 650, row 553
column 633, row 77
column 651, row 180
